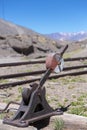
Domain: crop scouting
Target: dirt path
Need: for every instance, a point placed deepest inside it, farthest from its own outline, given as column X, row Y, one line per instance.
column 59, row 92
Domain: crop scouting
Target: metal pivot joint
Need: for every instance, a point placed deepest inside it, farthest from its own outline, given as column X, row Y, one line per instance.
column 34, row 106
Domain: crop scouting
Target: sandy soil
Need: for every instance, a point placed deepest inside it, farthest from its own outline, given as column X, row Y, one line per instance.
column 59, row 92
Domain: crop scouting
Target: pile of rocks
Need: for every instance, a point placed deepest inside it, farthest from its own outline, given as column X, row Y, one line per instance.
column 16, row 40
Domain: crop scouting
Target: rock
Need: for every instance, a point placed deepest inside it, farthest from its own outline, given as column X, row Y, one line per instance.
column 2, row 37
column 21, row 44
column 18, row 41
column 9, row 127
column 73, row 122
column 25, row 51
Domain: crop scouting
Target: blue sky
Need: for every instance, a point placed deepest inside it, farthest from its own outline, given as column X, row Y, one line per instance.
column 46, row 16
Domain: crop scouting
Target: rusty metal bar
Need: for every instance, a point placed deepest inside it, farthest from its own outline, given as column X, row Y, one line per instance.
column 21, row 74
column 22, row 63
column 63, row 50
column 38, row 62
column 69, row 74
column 75, row 59
column 6, row 85
column 74, row 67
column 11, row 102
column 38, row 72
column 50, row 69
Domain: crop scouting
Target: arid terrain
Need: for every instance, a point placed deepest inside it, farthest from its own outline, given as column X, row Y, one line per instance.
column 59, row 92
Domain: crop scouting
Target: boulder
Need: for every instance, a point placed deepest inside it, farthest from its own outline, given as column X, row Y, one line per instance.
column 8, row 127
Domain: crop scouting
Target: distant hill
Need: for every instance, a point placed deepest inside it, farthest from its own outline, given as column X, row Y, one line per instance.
column 79, row 36
column 16, row 40
column 8, row 28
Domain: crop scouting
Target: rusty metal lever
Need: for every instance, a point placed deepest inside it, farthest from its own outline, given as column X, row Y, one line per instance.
column 34, row 108
column 51, row 62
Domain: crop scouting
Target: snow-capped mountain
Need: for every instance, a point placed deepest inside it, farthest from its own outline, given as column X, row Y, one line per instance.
column 78, row 36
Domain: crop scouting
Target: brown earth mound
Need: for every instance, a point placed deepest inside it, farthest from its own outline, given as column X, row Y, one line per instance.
column 16, row 41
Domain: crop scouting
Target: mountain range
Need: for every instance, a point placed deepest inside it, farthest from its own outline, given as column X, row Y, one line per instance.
column 16, row 40
column 78, row 36
column 9, row 28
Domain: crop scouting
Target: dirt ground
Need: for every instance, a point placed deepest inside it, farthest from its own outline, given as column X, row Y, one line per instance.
column 59, row 92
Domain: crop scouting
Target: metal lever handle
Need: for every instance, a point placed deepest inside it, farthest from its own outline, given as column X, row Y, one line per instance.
column 58, row 56
column 45, row 77
column 49, row 70
column 63, row 50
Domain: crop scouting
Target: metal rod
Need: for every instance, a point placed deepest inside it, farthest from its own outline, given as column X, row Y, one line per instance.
column 74, row 67
column 4, row 109
column 45, row 77
column 6, row 85
column 22, row 63
column 38, row 72
column 69, row 74
column 13, row 84
column 75, row 59
column 21, row 74
column 38, row 62
column 63, row 50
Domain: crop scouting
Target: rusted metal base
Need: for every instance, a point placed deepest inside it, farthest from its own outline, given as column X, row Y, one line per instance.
column 26, row 122
column 33, row 108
